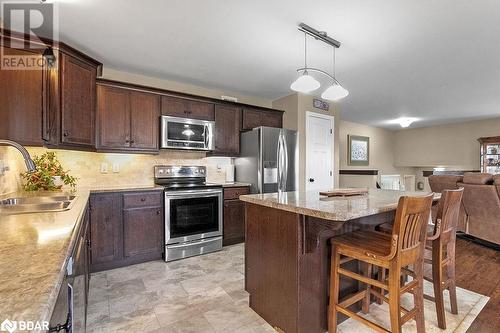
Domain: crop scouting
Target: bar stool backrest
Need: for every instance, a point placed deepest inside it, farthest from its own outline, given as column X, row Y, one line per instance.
column 448, row 213
column 410, row 224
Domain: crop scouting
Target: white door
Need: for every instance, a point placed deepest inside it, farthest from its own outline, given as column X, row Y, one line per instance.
column 319, row 152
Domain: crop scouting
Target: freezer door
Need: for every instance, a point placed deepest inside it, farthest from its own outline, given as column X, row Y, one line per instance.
column 269, row 157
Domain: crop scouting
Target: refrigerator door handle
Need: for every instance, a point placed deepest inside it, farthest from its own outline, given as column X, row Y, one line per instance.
column 285, row 162
column 282, row 162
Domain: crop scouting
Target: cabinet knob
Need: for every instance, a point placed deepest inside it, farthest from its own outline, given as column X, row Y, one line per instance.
column 143, row 199
column 132, row 142
column 127, row 141
column 158, row 212
column 66, row 133
column 311, row 180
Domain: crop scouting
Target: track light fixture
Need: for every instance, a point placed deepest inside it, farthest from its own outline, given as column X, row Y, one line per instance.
column 306, row 83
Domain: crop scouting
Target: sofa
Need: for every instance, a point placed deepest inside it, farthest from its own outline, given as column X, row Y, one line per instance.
column 480, row 211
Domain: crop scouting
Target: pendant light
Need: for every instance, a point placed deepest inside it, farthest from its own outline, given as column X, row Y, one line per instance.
column 305, row 83
column 334, row 92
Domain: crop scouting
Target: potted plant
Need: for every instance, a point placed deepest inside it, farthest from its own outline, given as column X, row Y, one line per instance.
column 49, row 175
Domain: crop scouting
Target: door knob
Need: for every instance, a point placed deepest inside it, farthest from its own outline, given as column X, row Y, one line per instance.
column 311, row 180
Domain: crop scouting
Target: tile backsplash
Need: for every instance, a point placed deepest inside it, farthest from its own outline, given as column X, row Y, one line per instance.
column 134, row 169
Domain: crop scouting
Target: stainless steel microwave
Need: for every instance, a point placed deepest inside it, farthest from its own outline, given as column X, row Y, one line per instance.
column 183, row 133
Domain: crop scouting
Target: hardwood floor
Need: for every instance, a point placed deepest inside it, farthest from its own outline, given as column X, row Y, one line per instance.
column 478, row 270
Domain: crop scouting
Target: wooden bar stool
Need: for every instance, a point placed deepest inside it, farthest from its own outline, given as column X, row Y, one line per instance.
column 441, row 241
column 404, row 247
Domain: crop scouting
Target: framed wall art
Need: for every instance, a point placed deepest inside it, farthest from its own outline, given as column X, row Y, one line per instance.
column 358, row 150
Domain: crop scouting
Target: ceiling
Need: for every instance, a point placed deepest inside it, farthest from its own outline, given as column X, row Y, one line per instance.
column 434, row 60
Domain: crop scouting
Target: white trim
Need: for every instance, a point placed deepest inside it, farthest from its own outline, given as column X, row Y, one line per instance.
column 332, row 120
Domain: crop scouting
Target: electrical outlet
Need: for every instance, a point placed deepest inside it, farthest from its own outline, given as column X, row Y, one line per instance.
column 116, row 168
column 104, row 167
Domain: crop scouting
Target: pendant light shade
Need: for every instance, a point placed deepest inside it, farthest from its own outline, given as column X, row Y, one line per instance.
column 335, row 92
column 305, row 83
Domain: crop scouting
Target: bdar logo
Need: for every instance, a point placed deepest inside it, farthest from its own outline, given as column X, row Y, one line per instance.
column 8, row 325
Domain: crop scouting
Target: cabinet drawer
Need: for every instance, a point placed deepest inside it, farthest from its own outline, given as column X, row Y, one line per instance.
column 146, row 199
column 231, row 193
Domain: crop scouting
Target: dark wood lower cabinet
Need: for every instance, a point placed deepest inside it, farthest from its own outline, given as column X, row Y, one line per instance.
column 106, row 235
column 234, row 222
column 142, row 232
column 234, row 215
column 126, row 228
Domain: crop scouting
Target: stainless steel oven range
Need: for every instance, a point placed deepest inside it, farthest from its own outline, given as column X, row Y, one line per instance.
column 193, row 211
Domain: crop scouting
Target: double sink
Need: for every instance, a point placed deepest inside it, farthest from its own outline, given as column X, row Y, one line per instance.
column 36, row 204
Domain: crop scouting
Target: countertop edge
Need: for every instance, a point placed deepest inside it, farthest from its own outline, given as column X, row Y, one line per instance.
column 74, row 233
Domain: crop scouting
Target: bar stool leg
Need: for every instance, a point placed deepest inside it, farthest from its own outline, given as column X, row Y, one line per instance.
column 451, row 276
column 418, row 296
column 437, row 281
column 366, row 301
column 381, row 278
column 394, row 297
column 334, row 291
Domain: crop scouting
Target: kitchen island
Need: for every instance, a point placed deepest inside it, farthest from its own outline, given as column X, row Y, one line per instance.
column 287, row 251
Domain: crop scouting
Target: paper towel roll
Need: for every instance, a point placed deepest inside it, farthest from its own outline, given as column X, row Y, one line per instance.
column 229, row 173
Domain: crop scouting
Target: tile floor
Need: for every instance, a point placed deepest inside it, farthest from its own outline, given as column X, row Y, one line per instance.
column 199, row 294
column 206, row 294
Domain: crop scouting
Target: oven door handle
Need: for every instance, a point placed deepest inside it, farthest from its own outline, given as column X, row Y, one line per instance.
column 198, row 193
column 211, row 240
column 190, row 196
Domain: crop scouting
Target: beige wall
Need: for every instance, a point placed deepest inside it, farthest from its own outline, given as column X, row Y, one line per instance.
column 381, row 154
column 296, row 106
column 290, row 104
column 454, row 145
column 181, row 87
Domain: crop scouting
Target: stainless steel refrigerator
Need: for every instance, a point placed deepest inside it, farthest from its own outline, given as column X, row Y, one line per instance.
column 269, row 160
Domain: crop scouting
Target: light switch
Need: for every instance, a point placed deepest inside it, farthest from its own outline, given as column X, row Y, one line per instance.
column 104, row 167
column 116, row 167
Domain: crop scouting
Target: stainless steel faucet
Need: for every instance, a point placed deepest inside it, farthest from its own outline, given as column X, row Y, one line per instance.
column 30, row 165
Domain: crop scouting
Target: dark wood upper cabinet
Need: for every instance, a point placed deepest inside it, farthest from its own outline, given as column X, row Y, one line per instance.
column 174, row 107
column 21, row 103
column 272, row 119
column 186, row 108
column 127, row 120
column 251, row 119
column 70, row 117
column 113, row 113
column 144, row 120
column 227, row 130
column 254, row 118
column 201, row 110
column 77, row 101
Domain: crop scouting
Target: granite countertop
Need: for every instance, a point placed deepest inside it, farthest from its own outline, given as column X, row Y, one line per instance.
column 125, row 188
column 335, row 208
column 33, row 254
column 34, row 249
